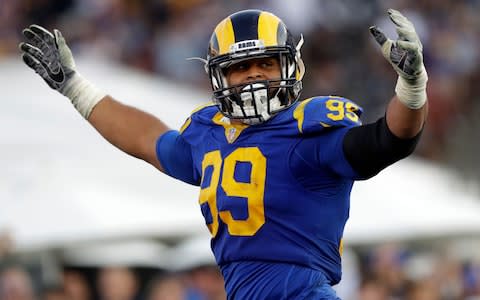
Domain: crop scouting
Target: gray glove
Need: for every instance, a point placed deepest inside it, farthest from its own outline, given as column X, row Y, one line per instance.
column 48, row 55
column 405, row 55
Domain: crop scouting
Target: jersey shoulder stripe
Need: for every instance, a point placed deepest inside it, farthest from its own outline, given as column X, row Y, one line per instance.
column 199, row 123
column 318, row 113
column 195, row 111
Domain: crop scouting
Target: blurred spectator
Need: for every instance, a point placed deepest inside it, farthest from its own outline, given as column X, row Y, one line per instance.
column 387, row 265
column 16, row 284
column 372, row 289
column 76, row 286
column 5, row 244
column 117, row 283
column 54, row 293
column 166, row 287
column 205, row 283
column 422, row 290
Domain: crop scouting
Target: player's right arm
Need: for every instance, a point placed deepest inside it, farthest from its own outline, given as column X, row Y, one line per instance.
column 128, row 128
column 131, row 130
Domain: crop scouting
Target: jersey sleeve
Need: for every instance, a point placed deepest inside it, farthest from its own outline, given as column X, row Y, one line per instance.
column 175, row 156
column 324, row 151
column 323, row 123
column 317, row 114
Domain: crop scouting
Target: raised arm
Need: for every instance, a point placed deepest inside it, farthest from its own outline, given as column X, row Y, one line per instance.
column 131, row 130
column 372, row 147
column 407, row 111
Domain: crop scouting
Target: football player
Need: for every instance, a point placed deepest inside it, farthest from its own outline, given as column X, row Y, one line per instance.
column 274, row 173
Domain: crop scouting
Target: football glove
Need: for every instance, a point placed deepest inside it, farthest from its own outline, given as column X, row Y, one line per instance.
column 49, row 56
column 405, row 55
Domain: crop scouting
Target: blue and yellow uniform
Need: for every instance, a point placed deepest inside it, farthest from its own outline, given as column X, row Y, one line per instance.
column 275, row 196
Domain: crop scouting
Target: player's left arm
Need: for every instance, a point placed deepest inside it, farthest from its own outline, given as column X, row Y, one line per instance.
column 407, row 111
column 372, row 147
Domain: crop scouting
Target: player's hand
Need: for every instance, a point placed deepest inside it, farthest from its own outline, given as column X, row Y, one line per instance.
column 406, row 57
column 404, row 54
column 48, row 55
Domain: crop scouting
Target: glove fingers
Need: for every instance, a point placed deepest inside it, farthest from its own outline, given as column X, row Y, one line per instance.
column 36, row 40
column 30, row 61
column 44, row 34
column 58, row 35
column 32, row 51
column 33, row 63
column 38, row 55
column 60, row 40
column 409, row 46
column 407, row 33
column 404, row 28
column 65, row 52
column 398, row 19
column 378, row 35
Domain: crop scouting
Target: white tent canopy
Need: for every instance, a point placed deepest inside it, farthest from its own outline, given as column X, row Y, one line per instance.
column 61, row 183
column 412, row 199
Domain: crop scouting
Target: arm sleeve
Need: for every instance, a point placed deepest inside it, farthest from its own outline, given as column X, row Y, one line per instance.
column 175, row 156
column 371, row 148
column 323, row 151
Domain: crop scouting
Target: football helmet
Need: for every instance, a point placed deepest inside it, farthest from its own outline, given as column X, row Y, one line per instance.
column 250, row 34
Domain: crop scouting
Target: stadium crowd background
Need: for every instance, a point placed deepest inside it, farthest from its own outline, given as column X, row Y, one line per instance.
column 156, row 36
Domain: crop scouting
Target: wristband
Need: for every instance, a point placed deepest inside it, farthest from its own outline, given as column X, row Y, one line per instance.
column 83, row 94
column 412, row 93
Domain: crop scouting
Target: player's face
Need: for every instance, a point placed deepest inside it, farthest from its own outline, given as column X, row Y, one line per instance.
column 265, row 68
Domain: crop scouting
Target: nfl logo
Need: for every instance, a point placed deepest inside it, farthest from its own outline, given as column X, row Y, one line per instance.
column 231, row 134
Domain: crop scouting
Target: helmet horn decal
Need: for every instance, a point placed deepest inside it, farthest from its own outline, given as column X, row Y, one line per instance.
column 268, row 29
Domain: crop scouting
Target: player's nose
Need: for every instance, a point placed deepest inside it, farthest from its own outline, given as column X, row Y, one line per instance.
column 255, row 73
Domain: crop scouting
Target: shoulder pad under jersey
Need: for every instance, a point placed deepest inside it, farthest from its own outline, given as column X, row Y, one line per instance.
column 199, row 122
column 318, row 113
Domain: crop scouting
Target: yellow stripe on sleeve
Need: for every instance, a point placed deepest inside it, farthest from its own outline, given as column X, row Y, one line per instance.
column 189, row 120
column 200, row 107
column 299, row 113
column 185, row 125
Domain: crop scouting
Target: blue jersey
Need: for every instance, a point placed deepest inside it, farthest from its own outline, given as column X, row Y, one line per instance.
column 277, row 192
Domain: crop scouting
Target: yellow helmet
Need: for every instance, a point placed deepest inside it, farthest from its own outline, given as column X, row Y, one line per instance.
column 246, row 35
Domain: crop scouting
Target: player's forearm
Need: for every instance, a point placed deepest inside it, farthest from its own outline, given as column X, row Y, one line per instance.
column 405, row 122
column 407, row 111
column 129, row 129
column 133, row 131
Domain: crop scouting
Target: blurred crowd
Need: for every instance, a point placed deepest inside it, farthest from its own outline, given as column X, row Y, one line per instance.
column 389, row 271
column 157, row 36
column 19, row 282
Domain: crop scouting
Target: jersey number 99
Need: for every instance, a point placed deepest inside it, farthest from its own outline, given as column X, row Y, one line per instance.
column 253, row 190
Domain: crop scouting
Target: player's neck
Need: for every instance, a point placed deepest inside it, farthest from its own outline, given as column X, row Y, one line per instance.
column 236, row 122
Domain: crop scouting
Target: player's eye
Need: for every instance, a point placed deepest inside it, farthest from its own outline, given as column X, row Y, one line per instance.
column 237, row 68
column 242, row 66
column 268, row 63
